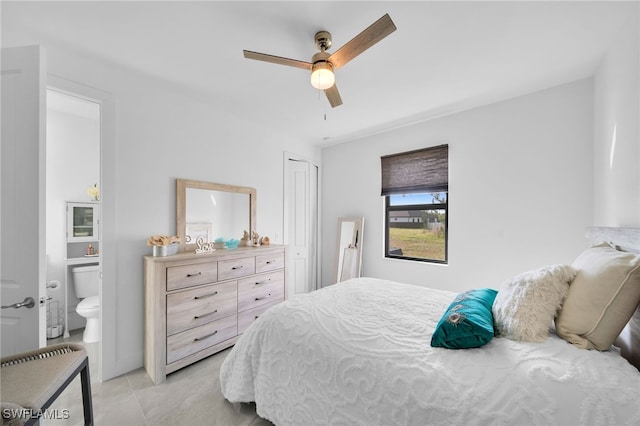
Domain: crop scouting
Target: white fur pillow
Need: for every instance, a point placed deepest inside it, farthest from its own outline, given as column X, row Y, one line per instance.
column 526, row 304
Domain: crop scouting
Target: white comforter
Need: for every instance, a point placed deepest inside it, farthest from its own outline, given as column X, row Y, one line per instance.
column 358, row 353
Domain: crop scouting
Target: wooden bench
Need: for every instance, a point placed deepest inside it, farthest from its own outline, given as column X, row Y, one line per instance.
column 31, row 381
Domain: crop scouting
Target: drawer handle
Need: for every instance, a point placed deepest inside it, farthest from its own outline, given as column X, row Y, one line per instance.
column 263, row 281
column 205, row 315
column 256, row 317
column 269, row 262
column 194, row 275
column 264, row 297
column 205, row 337
column 204, row 296
column 237, row 267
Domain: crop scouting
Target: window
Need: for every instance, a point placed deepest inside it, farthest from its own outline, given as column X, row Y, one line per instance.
column 416, row 190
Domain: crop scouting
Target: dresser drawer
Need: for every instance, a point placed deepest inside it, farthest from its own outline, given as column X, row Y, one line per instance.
column 191, row 308
column 234, row 268
column 259, row 290
column 190, row 275
column 269, row 262
column 246, row 318
column 199, row 338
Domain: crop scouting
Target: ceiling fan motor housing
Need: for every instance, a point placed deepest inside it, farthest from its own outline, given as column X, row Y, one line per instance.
column 323, row 40
column 321, row 57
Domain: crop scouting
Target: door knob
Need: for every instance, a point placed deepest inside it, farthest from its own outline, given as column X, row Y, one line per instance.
column 28, row 302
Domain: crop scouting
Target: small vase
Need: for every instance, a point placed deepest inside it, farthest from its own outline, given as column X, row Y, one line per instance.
column 168, row 250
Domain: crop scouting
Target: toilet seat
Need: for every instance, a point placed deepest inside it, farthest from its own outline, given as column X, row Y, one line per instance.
column 89, row 303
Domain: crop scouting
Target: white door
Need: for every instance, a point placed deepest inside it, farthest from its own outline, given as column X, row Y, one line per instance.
column 22, row 205
column 301, row 225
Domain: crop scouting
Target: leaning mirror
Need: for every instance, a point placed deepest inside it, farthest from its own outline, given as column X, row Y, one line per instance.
column 212, row 211
column 349, row 248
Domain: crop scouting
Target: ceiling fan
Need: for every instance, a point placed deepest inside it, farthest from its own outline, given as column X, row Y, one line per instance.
column 323, row 63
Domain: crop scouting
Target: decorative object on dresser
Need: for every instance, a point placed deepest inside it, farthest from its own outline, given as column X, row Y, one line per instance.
column 255, row 237
column 198, row 304
column 164, row 245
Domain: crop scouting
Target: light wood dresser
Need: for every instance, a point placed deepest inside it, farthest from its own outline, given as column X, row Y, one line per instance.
column 199, row 304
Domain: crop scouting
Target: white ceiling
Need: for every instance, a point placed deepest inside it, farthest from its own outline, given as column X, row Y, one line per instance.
column 444, row 57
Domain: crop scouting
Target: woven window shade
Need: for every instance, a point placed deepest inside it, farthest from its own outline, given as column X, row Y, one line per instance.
column 423, row 170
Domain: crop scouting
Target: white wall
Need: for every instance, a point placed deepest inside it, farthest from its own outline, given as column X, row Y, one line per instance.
column 520, row 182
column 616, row 132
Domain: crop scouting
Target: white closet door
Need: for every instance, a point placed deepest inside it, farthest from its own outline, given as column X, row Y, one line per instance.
column 301, row 224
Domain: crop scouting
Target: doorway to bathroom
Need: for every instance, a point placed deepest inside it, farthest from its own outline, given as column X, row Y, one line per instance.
column 24, row 185
column 73, row 132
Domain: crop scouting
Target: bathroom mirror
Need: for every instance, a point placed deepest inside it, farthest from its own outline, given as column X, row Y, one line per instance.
column 349, row 248
column 211, row 210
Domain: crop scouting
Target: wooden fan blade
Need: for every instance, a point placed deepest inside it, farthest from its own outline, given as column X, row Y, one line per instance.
column 367, row 38
column 333, row 96
column 277, row 60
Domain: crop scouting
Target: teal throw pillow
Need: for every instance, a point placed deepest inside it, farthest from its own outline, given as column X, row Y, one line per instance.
column 468, row 322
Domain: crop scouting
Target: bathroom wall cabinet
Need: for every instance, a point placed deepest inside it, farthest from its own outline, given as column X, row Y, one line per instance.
column 199, row 304
column 83, row 230
column 82, row 222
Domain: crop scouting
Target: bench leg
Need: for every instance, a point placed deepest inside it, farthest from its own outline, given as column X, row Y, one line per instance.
column 87, row 403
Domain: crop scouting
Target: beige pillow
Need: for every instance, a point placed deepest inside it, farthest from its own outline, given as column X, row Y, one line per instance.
column 526, row 304
column 602, row 297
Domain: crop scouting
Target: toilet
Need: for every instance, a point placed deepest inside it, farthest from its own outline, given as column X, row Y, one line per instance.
column 85, row 284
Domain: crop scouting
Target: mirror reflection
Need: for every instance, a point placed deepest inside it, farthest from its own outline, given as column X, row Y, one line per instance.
column 212, row 212
column 211, row 215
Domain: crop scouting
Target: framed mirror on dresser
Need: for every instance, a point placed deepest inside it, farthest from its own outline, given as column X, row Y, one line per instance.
column 197, row 304
column 213, row 211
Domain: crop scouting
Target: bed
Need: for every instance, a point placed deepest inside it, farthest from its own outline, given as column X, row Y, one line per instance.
column 359, row 353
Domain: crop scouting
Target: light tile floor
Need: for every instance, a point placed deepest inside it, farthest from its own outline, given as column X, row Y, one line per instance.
column 190, row 396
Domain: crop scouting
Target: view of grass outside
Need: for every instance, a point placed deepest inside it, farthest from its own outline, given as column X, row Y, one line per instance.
column 419, row 243
column 418, row 233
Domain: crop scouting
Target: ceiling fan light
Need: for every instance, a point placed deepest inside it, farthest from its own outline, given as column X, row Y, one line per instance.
column 322, row 76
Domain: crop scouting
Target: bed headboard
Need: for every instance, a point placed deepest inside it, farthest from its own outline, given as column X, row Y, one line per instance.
column 627, row 239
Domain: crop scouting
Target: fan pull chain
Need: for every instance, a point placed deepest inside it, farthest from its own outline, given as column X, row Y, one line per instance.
column 324, row 106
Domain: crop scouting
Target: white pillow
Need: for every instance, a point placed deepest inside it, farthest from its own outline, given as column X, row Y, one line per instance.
column 526, row 304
